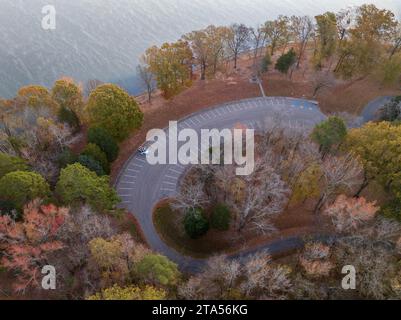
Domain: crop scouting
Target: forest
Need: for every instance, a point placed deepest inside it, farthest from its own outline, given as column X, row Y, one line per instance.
column 59, row 145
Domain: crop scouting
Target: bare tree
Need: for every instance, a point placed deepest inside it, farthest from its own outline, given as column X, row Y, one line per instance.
column 258, row 41
column 237, row 40
column 315, row 260
column 263, row 279
column 265, row 196
column 339, row 173
column 345, row 21
column 302, row 28
column 376, row 264
column 216, row 280
column 322, row 80
column 396, row 41
column 191, row 196
column 255, row 276
column 147, row 79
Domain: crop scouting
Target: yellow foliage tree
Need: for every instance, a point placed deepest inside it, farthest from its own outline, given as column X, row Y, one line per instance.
column 172, row 66
column 130, row 293
column 378, row 145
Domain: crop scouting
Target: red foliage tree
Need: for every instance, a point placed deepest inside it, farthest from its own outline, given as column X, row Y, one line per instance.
column 27, row 244
column 348, row 214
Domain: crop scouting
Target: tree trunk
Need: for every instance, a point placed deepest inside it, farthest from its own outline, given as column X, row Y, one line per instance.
column 301, row 53
column 395, row 49
column 319, row 205
column 272, row 49
column 150, row 96
column 364, row 185
column 340, row 62
column 203, row 71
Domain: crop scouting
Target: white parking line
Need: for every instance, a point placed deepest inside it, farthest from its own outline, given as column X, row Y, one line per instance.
column 175, row 171
column 126, row 182
column 198, row 120
column 171, row 177
column 120, row 188
column 170, row 183
column 136, row 165
column 168, row 190
column 129, row 176
column 141, row 160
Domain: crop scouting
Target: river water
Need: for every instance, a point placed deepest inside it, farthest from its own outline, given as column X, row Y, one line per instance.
column 103, row 39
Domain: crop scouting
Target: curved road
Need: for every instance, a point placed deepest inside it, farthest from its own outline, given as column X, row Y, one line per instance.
column 141, row 186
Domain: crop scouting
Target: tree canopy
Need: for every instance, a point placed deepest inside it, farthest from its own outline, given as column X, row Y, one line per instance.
column 77, row 184
column 21, row 187
column 115, row 110
column 157, row 269
column 330, row 133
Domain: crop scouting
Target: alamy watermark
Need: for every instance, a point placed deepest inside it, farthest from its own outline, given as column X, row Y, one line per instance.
column 349, row 281
column 211, row 146
column 49, row 278
column 49, row 19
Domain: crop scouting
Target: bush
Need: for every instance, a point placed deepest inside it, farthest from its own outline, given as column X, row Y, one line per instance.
column 69, row 117
column 69, row 96
column 21, row 187
column 78, row 184
column 90, row 163
column 7, row 208
column 117, row 293
column 93, row 151
column 66, row 157
column 330, row 133
column 113, row 109
column 392, row 110
column 285, row 62
column 104, row 141
column 221, row 218
column 9, row 164
column 195, row 224
column 392, row 210
column 158, row 270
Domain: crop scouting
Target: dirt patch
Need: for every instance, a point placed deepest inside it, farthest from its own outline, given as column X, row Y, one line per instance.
column 354, row 96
